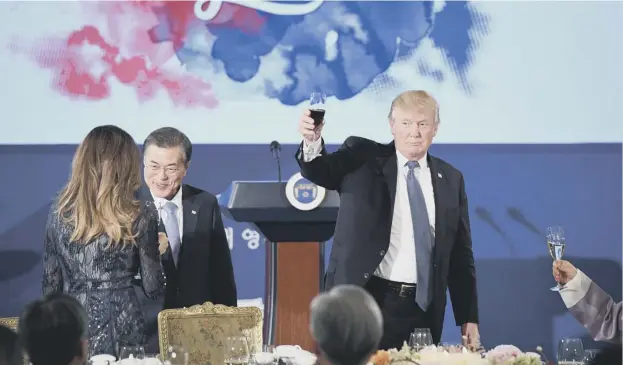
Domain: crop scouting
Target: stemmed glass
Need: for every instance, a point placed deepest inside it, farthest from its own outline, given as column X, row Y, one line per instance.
column 570, row 351
column 450, row 347
column 317, row 107
column 236, row 350
column 131, row 352
column 556, row 245
column 420, row 338
column 175, row 355
column 589, row 356
column 266, row 357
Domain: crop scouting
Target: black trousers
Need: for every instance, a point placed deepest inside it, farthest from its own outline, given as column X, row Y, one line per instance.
column 401, row 315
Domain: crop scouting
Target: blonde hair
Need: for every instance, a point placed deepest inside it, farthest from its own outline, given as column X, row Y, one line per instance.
column 100, row 196
column 415, row 99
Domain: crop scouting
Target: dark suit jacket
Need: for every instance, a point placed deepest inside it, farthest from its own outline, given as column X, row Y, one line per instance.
column 364, row 173
column 204, row 272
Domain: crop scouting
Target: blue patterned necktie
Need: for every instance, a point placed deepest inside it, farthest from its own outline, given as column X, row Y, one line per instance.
column 172, row 227
column 423, row 237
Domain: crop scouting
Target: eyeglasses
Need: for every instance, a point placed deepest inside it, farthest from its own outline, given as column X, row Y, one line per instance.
column 169, row 170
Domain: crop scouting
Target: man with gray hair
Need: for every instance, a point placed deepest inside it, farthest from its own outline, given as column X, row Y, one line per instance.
column 346, row 324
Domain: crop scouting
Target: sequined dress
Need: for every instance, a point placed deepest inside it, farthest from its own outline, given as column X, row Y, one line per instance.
column 101, row 279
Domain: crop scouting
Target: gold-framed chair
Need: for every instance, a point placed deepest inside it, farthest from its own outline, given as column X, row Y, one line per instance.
column 10, row 322
column 202, row 330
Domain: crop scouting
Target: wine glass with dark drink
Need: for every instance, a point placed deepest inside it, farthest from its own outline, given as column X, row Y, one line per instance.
column 317, row 107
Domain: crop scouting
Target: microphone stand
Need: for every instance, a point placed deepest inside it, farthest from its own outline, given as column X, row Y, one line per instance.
column 275, row 149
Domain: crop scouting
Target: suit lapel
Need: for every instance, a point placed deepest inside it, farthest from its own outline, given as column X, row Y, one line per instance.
column 390, row 173
column 389, row 170
column 440, row 190
column 190, row 210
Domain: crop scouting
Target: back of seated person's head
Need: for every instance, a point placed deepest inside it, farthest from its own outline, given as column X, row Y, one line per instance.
column 53, row 330
column 346, row 324
column 8, row 345
column 612, row 355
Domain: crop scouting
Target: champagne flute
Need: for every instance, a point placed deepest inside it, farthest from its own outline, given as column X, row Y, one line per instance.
column 317, row 107
column 556, row 245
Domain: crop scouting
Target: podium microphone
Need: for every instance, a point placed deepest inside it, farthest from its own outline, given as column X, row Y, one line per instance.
column 275, row 149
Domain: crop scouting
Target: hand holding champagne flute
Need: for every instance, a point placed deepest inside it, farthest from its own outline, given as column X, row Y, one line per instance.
column 556, row 245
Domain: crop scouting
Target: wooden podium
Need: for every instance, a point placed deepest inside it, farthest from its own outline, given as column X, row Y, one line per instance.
column 294, row 254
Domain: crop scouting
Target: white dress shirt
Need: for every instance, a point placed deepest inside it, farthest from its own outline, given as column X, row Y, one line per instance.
column 399, row 263
column 177, row 200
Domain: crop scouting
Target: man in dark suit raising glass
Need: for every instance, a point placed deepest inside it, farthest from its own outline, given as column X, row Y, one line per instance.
column 403, row 229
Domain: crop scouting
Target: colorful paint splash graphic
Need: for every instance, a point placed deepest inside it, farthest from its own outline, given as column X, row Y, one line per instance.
column 292, row 48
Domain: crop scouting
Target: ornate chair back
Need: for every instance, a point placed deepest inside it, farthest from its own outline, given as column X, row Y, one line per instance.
column 202, row 330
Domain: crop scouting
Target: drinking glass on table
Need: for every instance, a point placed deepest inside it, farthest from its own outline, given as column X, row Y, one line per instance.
column 175, row 355
column 236, row 350
column 266, row 357
column 589, row 356
column 420, row 338
column 570, row 351
column 317, row 107
column 131, row 352
column 556, row 244
column 451, row 347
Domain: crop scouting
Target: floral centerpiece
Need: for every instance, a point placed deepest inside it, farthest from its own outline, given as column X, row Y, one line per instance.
column 433, row 355
column 511, row 355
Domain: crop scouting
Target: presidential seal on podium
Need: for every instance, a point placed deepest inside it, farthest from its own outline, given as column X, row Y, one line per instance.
column 304, row 194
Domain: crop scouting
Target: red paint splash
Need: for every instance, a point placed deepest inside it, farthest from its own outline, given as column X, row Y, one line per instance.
column 86, row 62
column 84, row 65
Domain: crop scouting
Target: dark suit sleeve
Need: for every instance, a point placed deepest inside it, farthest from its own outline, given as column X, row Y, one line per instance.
column 221, row 276
column 462, row 271
column 329, row 169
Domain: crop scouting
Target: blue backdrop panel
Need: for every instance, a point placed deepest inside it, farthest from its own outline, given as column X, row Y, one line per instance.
column 515, row 191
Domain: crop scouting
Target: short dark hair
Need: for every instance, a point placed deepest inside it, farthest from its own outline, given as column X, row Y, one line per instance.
column 8, row 346
column 51, row 329
column 169, row 137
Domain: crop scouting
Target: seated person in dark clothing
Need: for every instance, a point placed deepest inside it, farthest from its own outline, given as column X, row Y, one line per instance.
column 53, row 331
column 8, row 343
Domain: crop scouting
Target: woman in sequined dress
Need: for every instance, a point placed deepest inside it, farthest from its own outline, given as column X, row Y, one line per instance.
column 99, row 237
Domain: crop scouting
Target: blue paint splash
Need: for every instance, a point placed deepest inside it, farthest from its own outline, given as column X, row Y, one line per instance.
column 368, row 36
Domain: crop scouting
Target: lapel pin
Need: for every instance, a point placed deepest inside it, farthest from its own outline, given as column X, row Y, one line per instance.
column 439, row 175
column 193, row 212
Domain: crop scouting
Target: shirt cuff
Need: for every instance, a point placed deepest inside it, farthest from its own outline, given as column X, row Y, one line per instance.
column 575, row 289
column 311, row 150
